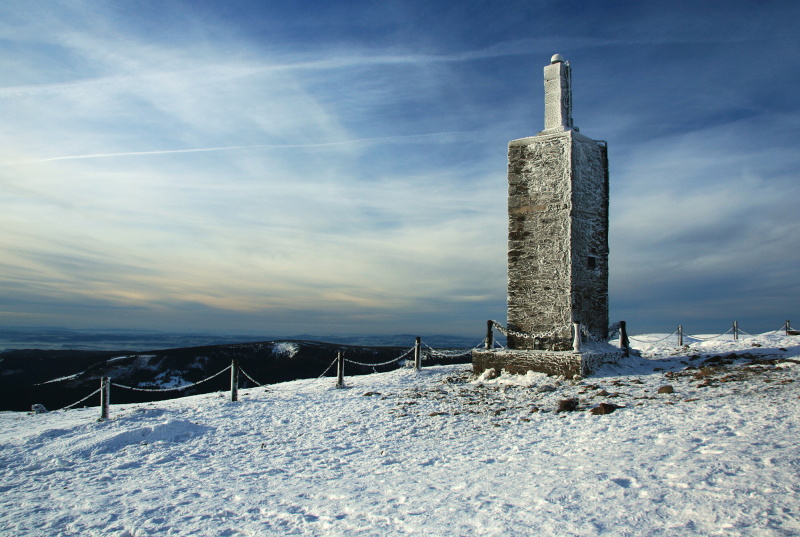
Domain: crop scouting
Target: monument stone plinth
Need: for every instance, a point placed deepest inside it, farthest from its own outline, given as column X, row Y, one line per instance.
column 557, row 245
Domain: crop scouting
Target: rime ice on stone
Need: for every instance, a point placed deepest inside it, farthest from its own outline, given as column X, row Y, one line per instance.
column 557, row 96
column 557, row 242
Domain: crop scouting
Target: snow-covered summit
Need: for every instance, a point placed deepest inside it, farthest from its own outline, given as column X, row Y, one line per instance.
column 434, row 452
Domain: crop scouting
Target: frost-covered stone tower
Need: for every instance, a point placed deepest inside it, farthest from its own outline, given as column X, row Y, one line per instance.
column 557, row 241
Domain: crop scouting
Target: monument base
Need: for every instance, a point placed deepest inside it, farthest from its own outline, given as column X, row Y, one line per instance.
column 566, row 364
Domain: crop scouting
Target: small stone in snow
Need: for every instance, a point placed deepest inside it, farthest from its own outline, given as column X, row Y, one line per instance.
column 666, row 389
column 604, row 408
column 567, row 405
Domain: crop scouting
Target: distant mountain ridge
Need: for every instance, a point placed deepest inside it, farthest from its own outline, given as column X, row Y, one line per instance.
column 19, row 338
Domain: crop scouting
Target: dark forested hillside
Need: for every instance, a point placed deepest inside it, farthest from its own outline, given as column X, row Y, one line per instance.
column 57, row 378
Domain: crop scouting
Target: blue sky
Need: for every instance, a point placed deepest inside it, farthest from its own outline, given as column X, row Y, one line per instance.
column 330, row 167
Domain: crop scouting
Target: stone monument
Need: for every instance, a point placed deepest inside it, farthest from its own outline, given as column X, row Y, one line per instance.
column 557, row 245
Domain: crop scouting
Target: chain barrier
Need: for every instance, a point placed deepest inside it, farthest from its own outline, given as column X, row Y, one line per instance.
column 781, row 329
column 410, row 351
column 654, row 341
column 698, row 338
column 585, row 333
column 447, row 354
column 81, row 401
column 429, row 353
column 329, row 368
column 62, row 379
column 451, row 354
column 509, row 332
column 496, row 344
column 482, row 344
column 169, row 389
column 708, row 338
column 613, row 331
column 254, row 381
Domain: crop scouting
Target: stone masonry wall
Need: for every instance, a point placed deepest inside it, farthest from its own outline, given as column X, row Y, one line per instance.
column 539, row 207
column 557, row 238
column 590, row 235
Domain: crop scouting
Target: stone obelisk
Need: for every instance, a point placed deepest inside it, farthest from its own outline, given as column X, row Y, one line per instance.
column 557, row 242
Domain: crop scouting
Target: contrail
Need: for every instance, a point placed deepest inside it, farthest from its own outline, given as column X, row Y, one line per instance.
column 234, row 147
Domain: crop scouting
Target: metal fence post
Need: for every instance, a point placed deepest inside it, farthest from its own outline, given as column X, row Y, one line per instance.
column 105, row 397
column 417, row 354
column 576, row 339
column 234, row 380
column 624, row 342
column 680, row 335
column 489, row 334
column 340, row 370
column 735, row 330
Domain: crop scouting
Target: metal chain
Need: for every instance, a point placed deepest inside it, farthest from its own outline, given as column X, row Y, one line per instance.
column 508, row 331
column 81, row 401
column 169, row 389
column 444, row 354
column 254, row 381
column 781, row 329
column 591, row 337
column 328, row 369
column 708, row 338
column 613, row 331
column 657, row 340
column 482, row 344
column 382, row 363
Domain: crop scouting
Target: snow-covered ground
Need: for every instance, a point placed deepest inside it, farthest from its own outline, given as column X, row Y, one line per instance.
column 431, row 453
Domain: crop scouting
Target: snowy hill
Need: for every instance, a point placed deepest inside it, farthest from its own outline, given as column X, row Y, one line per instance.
column 432, row 453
